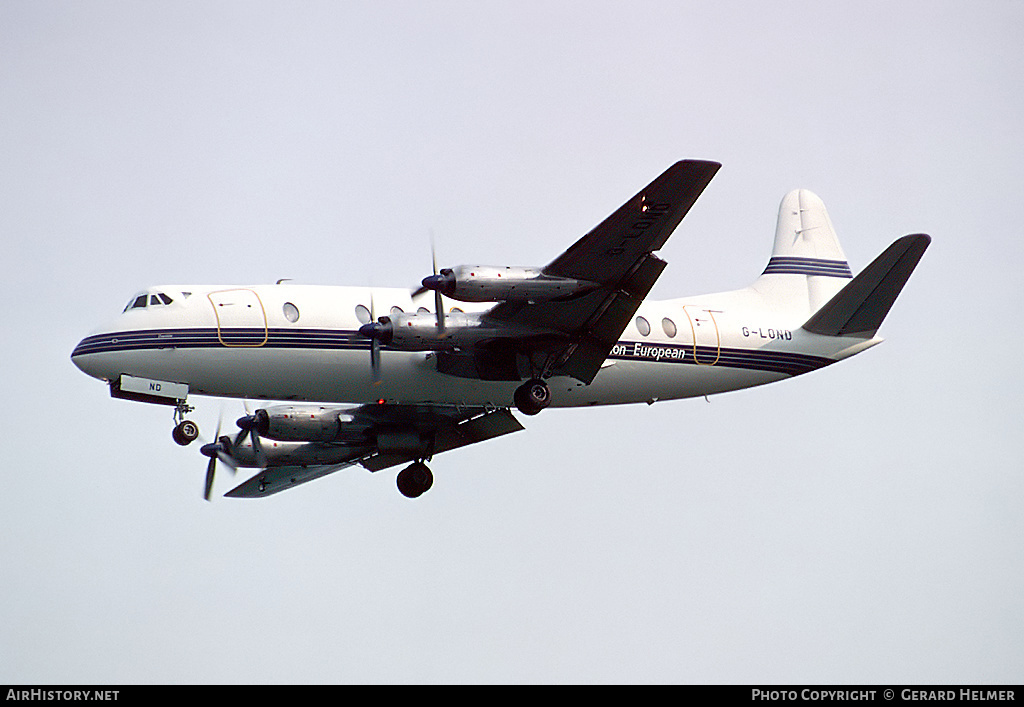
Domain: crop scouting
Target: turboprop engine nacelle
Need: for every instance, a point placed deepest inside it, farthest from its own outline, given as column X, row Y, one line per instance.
column 420, row 332
column 492, row 283
column 310, row 423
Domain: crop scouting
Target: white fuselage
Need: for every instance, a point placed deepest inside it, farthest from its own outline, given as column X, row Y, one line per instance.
column 301, row 343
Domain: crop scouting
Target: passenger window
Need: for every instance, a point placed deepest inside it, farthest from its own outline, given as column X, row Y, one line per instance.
column 362, row 314
column 643, row 326
column 669, row 326
column 291, row 312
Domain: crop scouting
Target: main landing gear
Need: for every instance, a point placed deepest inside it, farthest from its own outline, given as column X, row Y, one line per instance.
column 532, row 396
column 415, row 480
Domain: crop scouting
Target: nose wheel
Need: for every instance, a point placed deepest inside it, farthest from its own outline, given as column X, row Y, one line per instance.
column 415, row 479
column 185, row 432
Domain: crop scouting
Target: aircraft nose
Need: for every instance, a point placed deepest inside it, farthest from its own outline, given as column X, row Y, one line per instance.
column 81, row 358
column 91, row 357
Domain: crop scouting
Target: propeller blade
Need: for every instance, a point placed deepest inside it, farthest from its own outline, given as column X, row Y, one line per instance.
column 438, row 302
column 210, row 470
column 375, row 372
column 224, row 449
column 245, row 425
column 257, row 447
column 375, row 360
column 214, row 451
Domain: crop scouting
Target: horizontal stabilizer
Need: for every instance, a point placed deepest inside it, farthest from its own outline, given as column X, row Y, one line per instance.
column 859, row 308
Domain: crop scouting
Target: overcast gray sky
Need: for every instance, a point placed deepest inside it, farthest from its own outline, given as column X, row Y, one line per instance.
column 858, row 525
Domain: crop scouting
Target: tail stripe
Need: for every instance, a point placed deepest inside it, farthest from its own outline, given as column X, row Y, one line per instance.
column 794, row 265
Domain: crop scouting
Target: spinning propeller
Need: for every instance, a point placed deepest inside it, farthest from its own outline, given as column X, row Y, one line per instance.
column 374, row 343
column 223, row 448
column 249, row 425
column 430, row 284
column 381, row 330
column 218, row 449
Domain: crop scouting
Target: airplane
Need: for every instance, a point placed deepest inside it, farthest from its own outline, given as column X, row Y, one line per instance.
column 388, row 377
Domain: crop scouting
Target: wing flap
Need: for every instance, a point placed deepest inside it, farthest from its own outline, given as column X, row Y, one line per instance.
column 583, row 360
column 478, row 429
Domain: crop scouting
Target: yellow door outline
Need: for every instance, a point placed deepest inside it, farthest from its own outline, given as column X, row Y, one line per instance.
column 216, row 312
column 693, row 330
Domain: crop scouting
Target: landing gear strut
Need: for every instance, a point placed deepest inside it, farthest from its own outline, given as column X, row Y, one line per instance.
column 415, row 479
column 532, row 396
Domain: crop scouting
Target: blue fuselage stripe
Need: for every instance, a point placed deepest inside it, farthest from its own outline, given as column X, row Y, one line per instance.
column 196, row 338
column 792, row 265
column 787, row 363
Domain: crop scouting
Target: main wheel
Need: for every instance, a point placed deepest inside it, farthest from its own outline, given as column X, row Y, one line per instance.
column 532, row 396
column 415, row 480
column 185, row 432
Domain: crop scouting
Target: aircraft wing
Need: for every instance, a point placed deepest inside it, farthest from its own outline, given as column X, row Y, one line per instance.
column 275, row 479
column 618, row 254
column 442, row 427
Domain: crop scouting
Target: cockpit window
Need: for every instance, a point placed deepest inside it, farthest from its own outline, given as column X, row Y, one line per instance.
column 151, row 300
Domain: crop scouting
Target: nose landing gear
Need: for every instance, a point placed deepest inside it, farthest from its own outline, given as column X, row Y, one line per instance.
column 185, row 432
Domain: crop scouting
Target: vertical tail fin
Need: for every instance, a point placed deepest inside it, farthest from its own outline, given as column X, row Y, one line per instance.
column 808, row 266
